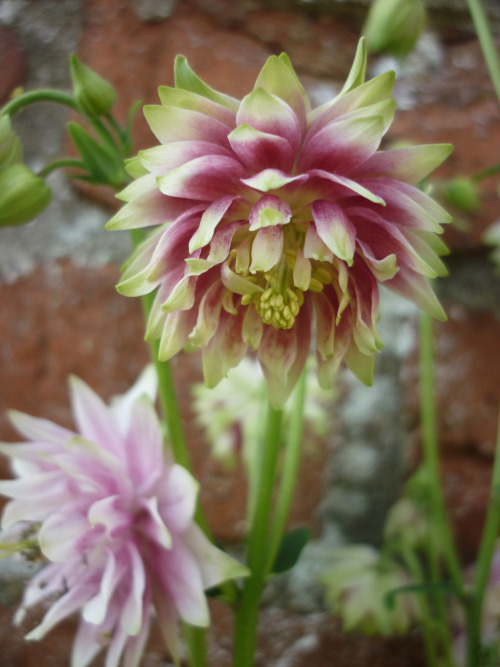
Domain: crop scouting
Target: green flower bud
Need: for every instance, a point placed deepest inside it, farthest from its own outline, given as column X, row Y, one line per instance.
column 394, row 26
column 462, row 193
column 11, row 151
column 93, row 94
column 23, row 195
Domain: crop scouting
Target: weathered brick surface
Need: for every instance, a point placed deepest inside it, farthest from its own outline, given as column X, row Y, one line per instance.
column 62, row 319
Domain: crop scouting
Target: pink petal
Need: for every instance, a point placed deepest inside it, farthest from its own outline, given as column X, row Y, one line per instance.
column 85, row 646
column 159, row 160
column 132, row 612
column 177, row 497
column 205, row 178
column 143, row 445
column 60, row 535
column 258, row 150
column 93, row 418
column 269, row 114
column 342, row 145
column 39, row 430
column 225, row 350
column 95, row 609
column 410, row 164
column 170, row 124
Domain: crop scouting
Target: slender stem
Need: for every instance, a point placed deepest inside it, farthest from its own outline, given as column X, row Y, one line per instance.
column 415, row 568
column 196, row 645
column 254, row 468
column 293, row 450
column 433, row 552
column 483, row 563
column 248, row 611
column 439, row 517
column 487, row 44
column 61, row 164
column 35, row 96
column 486, row 173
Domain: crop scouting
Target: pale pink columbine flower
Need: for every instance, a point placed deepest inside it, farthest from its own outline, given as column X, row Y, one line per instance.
column 273, row 216
column 116, row 523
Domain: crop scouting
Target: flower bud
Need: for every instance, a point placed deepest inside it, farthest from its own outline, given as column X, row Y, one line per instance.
column 462, row 193
column 394, row 26
column 11, row 151
column 93, row 94
column 23, row 195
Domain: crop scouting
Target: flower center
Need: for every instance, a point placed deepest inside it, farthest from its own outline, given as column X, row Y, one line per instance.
column 280, row 302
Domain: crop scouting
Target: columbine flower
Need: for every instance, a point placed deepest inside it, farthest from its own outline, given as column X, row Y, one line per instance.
column 231, row 413
column 272, row 215
column 116, row 522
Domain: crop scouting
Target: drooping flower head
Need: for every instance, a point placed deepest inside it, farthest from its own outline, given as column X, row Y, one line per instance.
column 116, row 523
column 273, row 216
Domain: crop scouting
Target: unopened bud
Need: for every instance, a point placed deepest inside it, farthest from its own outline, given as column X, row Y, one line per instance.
column 394, row 26
column 462, row 193
column 93, row 94
column 23, row 195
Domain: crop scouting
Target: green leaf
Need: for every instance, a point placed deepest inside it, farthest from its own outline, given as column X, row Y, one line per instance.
column 290, row 549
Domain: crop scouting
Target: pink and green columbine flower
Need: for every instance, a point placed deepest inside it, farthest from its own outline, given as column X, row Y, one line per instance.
column 273, row 219
column 115, row 521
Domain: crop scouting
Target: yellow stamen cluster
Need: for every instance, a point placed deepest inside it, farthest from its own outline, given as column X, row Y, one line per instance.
column 280, row 302
column 279, row 309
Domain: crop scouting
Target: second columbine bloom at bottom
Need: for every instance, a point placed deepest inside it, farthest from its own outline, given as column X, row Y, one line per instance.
column 114, row 518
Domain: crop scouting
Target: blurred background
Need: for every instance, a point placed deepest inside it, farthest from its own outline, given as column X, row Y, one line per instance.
column 60, row 313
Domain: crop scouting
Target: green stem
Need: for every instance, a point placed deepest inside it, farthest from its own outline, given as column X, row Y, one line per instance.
column 248, row 611
column 415, row 568
column 486, row 173
column 483, row 563
column 439, row 518
column 35, row 96
column 196, row 645
column 61, row 164
column 293, row 450
column 486, row 40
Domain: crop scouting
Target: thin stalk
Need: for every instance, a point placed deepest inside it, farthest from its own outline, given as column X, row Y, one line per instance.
column 293, row 450
column 433, row 547
column 196, row 645
column 439, row 518
column 248, row 610
column 415, row 568
column 254, row 468
column 486, row 173
column 487, row 44
column 61, row 164
column 35, row 96
column 483, row 563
